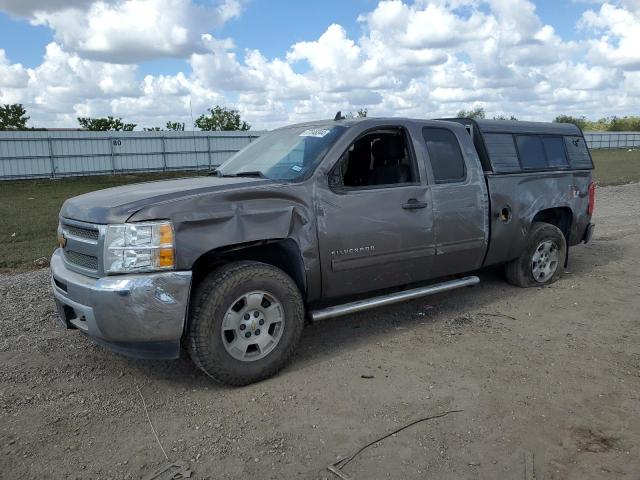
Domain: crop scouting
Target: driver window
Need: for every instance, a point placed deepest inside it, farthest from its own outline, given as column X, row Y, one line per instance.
column 380, row 157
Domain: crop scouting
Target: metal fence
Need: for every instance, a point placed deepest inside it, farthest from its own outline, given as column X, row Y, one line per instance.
column 75, row 153
column 606, row 140
column 37, row 154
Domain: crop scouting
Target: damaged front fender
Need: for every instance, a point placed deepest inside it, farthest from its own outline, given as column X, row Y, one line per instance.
column 209, row 222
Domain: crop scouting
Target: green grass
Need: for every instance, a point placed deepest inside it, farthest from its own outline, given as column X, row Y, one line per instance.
column 29, row 208
column 616, row 167
column 29, row 212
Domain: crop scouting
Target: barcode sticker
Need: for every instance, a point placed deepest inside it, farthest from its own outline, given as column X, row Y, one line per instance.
column 315, row 132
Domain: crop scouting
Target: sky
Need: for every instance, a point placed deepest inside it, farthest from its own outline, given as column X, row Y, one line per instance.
column 286, row 61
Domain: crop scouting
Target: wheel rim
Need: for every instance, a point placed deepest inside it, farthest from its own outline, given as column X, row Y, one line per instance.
column 252, row 326
column 544, row 262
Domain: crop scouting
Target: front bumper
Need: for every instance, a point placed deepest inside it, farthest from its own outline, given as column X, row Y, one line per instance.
column 139, row 315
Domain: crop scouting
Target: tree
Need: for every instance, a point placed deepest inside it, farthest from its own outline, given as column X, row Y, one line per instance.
column 175, row 126
column 108, row 124
column 13, row 117
column 504, row 117
column 171, row 126
column 599, row 125
column 476, row 114
column 580, row 122
column 624, row 124
column 221, row 118
column 362, row 113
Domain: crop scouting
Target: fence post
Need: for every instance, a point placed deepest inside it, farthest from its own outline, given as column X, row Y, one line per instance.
column 209, row 150
column 164, row 154
column 113, row 160
column 51, row 159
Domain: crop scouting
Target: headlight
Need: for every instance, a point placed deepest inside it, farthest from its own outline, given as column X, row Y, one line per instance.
column 135, row 247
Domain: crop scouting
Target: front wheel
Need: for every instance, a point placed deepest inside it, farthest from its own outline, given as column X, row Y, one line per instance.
column 246, row 320
column 541, row 262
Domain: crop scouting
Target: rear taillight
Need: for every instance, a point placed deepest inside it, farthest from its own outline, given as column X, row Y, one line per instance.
column 592, row 198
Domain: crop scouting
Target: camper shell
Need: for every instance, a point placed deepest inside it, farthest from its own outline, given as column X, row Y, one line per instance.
column 497, row 143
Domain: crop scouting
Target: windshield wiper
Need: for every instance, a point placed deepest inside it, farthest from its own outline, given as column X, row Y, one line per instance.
column 255, row 173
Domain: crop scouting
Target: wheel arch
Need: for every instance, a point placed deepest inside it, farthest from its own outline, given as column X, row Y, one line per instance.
column 561, row 217
column 283, row 253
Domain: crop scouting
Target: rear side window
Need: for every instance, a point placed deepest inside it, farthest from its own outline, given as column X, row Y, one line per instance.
column 446, row 157
column 554, row 150
column 502, row 152
column 578, row 153
column 531, row 151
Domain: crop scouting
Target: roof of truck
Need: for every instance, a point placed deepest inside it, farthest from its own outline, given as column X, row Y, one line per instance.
column 516, row 126
column 484, row 126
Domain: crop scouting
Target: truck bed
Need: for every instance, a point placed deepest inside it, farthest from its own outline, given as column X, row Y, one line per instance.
column 521, row 193
column 516, row 199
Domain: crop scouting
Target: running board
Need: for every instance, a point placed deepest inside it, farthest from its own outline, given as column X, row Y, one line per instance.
column 360, row 305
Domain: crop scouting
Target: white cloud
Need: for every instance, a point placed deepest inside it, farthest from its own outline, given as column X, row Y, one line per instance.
column 27, row 8
column 129, row 31
column 416, row 28
column 63, row 80
column 11, row 75
column 619, row 27
column 423, row 59
column 331, row 53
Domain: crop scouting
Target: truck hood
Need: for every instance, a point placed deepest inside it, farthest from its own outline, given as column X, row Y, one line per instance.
column 116, row 205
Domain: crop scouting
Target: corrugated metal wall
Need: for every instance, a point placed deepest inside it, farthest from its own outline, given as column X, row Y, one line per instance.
column 34, row 154
column 73, row 153
column 605, row 140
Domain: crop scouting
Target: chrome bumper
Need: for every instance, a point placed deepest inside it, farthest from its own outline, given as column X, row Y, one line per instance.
column 140, row 315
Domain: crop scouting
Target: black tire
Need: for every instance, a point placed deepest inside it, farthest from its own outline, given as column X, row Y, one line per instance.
column 519, row 272
column 211, row 301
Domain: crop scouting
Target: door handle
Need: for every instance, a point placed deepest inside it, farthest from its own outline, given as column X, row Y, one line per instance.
column 413, row 204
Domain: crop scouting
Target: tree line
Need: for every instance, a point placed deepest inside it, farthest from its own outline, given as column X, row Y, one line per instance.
column 14, row 117
column 607, row 124
column 479, row 114
column 218, row 118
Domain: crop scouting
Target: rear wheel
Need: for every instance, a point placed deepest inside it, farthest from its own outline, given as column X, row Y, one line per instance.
column 541, row 261
column 246, row 320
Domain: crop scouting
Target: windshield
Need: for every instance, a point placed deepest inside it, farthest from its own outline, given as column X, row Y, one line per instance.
column 284, row 154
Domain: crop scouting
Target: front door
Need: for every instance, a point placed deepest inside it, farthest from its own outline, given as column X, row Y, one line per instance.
column 375, row 223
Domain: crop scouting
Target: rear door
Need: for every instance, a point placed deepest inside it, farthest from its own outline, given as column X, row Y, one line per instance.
column 460, row 200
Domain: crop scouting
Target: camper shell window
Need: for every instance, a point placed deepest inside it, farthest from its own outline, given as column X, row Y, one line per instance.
column 506, row 146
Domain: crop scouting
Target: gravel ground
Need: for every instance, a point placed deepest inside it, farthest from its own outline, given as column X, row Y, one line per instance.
column 547, row 377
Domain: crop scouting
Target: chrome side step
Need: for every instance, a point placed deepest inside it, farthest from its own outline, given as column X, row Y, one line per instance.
column 360, row 305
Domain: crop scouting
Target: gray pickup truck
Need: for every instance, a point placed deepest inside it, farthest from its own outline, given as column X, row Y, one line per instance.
column 309, row 217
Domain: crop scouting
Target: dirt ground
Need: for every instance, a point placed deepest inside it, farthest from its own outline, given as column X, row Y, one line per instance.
column 547, row 377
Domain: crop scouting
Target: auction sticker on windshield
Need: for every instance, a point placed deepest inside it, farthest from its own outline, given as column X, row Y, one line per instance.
column 315, row 132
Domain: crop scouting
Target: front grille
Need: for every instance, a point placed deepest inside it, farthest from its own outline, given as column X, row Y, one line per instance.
column 80, row 259
column 83, row 246
column 80, row 232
